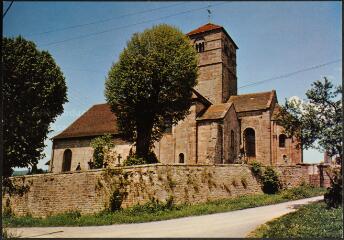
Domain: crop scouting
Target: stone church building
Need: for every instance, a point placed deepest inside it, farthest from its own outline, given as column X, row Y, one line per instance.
column 223, row 127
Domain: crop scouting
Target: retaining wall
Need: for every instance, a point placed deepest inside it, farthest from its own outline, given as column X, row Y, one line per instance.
column 96, row 190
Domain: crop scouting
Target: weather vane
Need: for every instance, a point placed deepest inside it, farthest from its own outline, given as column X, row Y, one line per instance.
column 209, row 13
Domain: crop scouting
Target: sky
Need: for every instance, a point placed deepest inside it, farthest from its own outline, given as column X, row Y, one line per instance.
column 274, row 39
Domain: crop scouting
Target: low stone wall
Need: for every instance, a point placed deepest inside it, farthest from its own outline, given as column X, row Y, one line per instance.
column 96, row 190
column 292, row 176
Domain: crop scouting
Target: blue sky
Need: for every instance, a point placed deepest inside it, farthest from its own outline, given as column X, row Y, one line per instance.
column 274, row 38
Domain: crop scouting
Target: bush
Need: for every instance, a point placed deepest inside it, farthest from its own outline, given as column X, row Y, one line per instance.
column 153, row 206
column 132, row 159
column 101, row 147
column 256, row 168
column 270, row 180
column 333, row 196
column 116, row 200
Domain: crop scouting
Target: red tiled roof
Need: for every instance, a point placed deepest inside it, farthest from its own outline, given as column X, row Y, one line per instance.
column 252, row 101
column 217, row 111
column 98, row 120
column 210, row 27
column 205, row 28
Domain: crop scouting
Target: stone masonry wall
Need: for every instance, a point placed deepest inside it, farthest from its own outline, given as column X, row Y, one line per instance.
column 91, row 191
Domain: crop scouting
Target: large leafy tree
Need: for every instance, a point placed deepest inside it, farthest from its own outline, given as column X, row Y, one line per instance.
column 151, row 84
column 317, row 121
column 33, row 91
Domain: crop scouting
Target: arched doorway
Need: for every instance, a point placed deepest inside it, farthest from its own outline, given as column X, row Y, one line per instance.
column 67, row 160
column 250, row 142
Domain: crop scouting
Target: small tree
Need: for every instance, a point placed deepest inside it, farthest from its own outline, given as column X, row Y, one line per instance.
column 33, row 91
column 101, row 148
column 151, row 84
column 318, row 123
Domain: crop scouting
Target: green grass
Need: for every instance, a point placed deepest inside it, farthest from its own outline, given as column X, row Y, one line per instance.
column 313, row 221
column 154, row 212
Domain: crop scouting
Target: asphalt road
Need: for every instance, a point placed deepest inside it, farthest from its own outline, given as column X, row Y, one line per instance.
column 230, row 224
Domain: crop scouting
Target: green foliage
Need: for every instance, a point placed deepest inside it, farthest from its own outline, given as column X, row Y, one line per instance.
column 34, row 91
column 334, row 195
column 151, row 84
column 256, row 168
column 35, row 170
column 298, row 192
column 316, row 122
column 101, row 146
column 270, row 180
column 116, row 200
column 153, row 206
column 133, row 159
column 310, row 221
column 154, row 211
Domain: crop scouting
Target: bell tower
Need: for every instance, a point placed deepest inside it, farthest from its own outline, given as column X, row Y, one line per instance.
column 217, row 79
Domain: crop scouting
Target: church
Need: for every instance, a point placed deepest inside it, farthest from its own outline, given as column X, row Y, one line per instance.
column 223, row 127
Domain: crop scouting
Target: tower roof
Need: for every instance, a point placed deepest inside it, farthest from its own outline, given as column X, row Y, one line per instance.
column 205, row 28
column 210, row 27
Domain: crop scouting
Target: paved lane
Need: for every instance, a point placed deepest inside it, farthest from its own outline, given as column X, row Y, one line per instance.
column 230, row 224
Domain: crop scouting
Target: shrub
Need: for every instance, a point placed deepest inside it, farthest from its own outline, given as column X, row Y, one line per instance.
column 101, row 146
column 152, row 206
column 333, row 196
column 296, row 193
column 73, row 215
column 270, row 180
column 133, row 159
column 256, row 168
column 116, row 201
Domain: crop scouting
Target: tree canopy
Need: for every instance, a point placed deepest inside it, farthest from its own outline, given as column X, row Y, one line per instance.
column 34, row 91
column 151, row 84
column 317, row 121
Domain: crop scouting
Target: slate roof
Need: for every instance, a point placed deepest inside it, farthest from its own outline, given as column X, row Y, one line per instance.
column 217, row 111
column 98, row 120
column 252, row 101
column 210, row 27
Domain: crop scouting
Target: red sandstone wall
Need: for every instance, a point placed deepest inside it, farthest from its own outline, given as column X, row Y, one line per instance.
column 90, row 191
column 260, row 122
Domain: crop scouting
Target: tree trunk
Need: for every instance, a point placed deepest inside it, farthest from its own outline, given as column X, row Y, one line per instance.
column 144, row 136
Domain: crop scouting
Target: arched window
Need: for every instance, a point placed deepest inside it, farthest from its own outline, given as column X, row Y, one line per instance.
column 199, row 44
column 250, row 142
column 181, row 157
column 232, row 141
column 67, row 160
column 281, row 141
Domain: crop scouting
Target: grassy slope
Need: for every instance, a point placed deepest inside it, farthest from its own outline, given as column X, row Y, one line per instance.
column 155, row 212
column 313, row 221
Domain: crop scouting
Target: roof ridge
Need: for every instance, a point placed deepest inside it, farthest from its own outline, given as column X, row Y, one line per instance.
column 246, row 94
